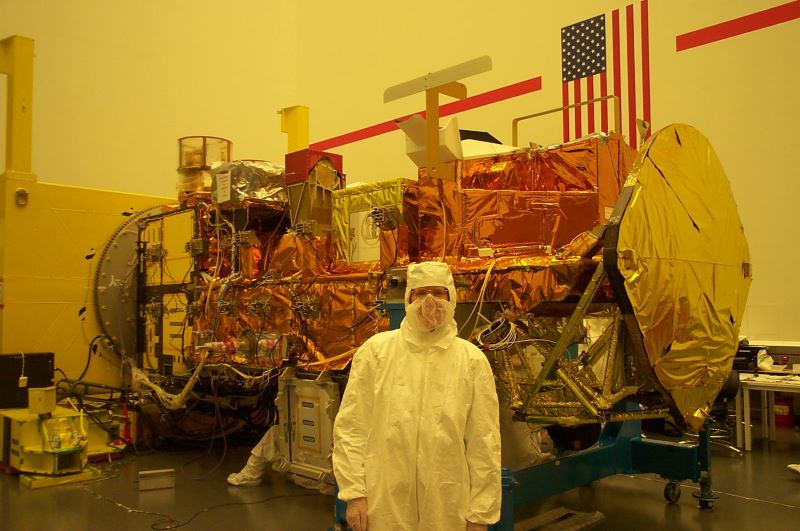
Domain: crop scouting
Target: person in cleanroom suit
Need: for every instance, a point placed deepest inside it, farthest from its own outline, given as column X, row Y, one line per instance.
column 417, row 437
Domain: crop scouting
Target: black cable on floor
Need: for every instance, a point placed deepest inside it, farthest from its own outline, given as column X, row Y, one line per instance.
column 99, row 496
column 168, row 522
column 174, row 524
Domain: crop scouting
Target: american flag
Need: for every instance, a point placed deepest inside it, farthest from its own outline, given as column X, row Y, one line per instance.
column 595, row 64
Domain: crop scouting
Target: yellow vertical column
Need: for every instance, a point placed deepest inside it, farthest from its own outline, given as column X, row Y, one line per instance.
column 16, row 60
column 16, row 183
column 294, row 122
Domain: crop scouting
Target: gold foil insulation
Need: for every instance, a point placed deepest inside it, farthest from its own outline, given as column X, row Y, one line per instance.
column 686, row 264
column 521, row 232
column 284, row 294
column 522, row 205
column 526, row 203
column 321, row 290
column 324, row 321
column 356, row 238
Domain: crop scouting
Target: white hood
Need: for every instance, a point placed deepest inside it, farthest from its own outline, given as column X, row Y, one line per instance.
column 428, row 274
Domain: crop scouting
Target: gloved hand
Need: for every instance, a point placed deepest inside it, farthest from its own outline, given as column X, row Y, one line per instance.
column 357, row 514
column 476, row 527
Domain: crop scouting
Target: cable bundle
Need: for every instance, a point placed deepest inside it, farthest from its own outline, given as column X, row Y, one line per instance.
column 499, row 335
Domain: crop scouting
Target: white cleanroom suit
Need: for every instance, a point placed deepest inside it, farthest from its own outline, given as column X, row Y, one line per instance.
column 417, row 433
column 262, row 455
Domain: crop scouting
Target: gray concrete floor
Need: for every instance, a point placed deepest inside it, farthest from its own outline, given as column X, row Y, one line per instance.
column 756, row 492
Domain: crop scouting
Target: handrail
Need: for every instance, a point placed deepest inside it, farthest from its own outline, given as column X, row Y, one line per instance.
column 617, row 114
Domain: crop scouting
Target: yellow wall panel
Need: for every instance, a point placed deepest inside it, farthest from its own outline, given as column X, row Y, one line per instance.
column 48, row 279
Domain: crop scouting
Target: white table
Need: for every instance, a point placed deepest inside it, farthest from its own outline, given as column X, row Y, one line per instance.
column 768, row 384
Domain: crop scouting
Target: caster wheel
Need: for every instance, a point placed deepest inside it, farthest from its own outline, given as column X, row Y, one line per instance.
column 706, row 505
column 672, row 492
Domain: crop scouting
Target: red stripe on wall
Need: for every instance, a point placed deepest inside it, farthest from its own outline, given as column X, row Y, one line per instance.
column 577, row 88
column 565, row 112
column 631, row 77
column 646, row 65
column 492, row 96
column 360, row 134
column 738, row 26
column 473, row 102
column 590, row 96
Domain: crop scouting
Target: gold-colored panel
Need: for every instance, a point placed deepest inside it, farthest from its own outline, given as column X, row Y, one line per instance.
column 529, row 202
column 686, row 264
column 329, row 318
column 354, row 204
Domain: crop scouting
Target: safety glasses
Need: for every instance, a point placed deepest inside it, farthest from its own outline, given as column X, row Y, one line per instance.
column 438, row 292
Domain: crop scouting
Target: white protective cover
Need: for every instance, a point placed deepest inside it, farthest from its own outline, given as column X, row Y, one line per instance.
column 418, row 433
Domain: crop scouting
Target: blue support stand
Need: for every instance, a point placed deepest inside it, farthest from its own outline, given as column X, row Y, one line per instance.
column 620, row 450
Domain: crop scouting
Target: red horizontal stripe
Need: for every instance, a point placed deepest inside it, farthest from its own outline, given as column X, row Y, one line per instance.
column 473, row 102
column 492, row 96
column 360, row 134
column 738, row 26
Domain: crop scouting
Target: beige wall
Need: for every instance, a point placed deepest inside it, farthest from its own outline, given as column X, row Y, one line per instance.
column 116, row 85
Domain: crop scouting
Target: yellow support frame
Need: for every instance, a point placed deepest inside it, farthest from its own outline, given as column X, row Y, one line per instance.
column 16, row 61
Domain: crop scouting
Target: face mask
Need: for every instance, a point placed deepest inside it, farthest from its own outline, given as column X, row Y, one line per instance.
column 429, row 313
